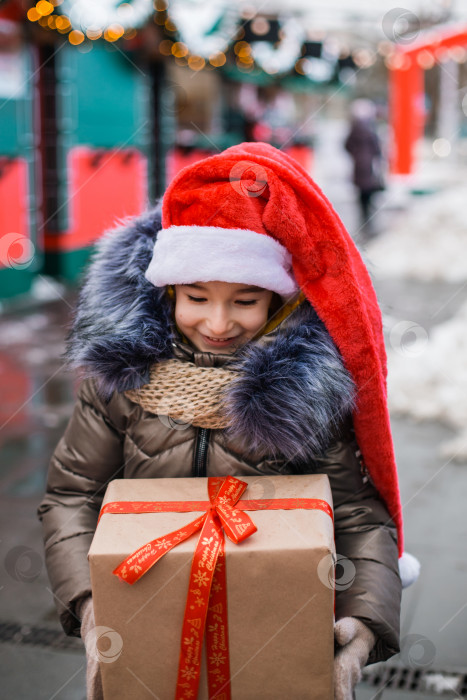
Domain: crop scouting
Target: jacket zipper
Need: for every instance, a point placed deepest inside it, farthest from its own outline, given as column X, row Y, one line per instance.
column 201, row 452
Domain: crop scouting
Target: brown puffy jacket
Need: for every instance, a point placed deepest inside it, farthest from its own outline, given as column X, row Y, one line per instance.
column 289, row 406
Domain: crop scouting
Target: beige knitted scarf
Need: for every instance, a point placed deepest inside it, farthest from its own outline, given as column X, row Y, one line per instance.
column 185, row 393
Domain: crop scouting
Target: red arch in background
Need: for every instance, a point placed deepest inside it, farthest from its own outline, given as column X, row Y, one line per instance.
column 406, row 90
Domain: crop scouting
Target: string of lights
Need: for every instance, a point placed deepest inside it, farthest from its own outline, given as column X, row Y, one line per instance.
column 222, row 32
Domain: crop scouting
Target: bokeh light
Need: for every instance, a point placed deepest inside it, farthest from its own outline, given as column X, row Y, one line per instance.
column 441, row 147
column 76, row 37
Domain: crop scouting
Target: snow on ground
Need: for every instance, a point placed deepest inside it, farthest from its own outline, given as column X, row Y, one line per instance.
column 427, row 371
column 427, row 375
column 429, row 242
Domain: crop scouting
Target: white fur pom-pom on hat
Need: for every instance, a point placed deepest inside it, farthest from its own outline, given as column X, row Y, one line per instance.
column 409, row 569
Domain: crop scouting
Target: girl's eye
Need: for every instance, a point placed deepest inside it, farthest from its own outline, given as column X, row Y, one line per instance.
column 241, row 302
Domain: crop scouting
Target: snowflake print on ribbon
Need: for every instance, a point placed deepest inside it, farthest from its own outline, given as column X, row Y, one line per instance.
column 189, row 673
column 219, row 678
column 217, row 659
column 201, row 578
column 224, row 500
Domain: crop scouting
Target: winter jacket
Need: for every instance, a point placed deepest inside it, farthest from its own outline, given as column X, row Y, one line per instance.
column 290, row 402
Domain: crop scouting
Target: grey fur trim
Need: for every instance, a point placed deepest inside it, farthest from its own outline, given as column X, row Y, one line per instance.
column 121, row 325
column 291, row 395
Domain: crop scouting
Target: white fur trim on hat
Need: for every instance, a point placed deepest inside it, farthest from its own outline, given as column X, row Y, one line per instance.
column 186, row 254
column 409, row 569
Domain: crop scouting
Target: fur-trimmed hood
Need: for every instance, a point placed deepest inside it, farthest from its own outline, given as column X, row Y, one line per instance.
column 292, row 389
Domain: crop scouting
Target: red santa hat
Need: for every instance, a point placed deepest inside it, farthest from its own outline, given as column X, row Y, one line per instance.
column 252, row 214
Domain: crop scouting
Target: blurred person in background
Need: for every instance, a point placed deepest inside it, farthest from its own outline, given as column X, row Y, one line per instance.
column 363, row 145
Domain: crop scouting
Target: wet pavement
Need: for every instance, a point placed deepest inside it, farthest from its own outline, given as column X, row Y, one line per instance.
column 39, row 663
column 36, row 658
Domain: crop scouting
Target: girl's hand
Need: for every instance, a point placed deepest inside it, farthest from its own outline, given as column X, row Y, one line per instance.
column 355, row 641
column 85, row 611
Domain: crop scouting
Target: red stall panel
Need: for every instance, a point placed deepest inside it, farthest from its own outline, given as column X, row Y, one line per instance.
column 104, row 186
column 16, row 392
column 16, row 249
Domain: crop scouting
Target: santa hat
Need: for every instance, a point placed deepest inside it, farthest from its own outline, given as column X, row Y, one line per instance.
column 252, row 214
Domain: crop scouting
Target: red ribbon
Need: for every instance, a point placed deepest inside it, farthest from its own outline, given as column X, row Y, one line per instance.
column 206, row 604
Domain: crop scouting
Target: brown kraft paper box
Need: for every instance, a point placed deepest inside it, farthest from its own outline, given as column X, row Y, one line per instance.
column 279, row 592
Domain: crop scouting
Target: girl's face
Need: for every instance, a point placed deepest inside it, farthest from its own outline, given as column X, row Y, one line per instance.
column 220, row 316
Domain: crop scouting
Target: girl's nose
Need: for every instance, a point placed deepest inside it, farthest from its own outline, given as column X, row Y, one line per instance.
column 219, row 322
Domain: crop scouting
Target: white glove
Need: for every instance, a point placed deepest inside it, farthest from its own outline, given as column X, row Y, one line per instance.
column 85, row 611
column 355, row 642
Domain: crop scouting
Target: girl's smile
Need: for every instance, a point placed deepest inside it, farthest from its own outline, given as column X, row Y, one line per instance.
column 218, row 342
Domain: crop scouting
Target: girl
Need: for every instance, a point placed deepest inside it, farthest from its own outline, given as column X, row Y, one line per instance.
column 233, row 329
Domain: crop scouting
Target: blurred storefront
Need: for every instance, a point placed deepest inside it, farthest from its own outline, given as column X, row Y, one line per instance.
column 99, row 110
column 75, row 149
column 101, row 104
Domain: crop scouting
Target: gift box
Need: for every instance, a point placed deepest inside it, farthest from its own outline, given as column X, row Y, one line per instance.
column 269, row 601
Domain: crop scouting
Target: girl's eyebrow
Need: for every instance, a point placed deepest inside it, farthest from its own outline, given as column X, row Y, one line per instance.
column 239, row 291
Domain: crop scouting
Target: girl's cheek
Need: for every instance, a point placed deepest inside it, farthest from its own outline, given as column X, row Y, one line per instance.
column 189, row 322
column 259, row 319
column 185, row 315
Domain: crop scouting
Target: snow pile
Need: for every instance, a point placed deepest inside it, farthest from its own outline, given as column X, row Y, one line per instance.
column 427, row 243
column 442, row 682
column 427, row 376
